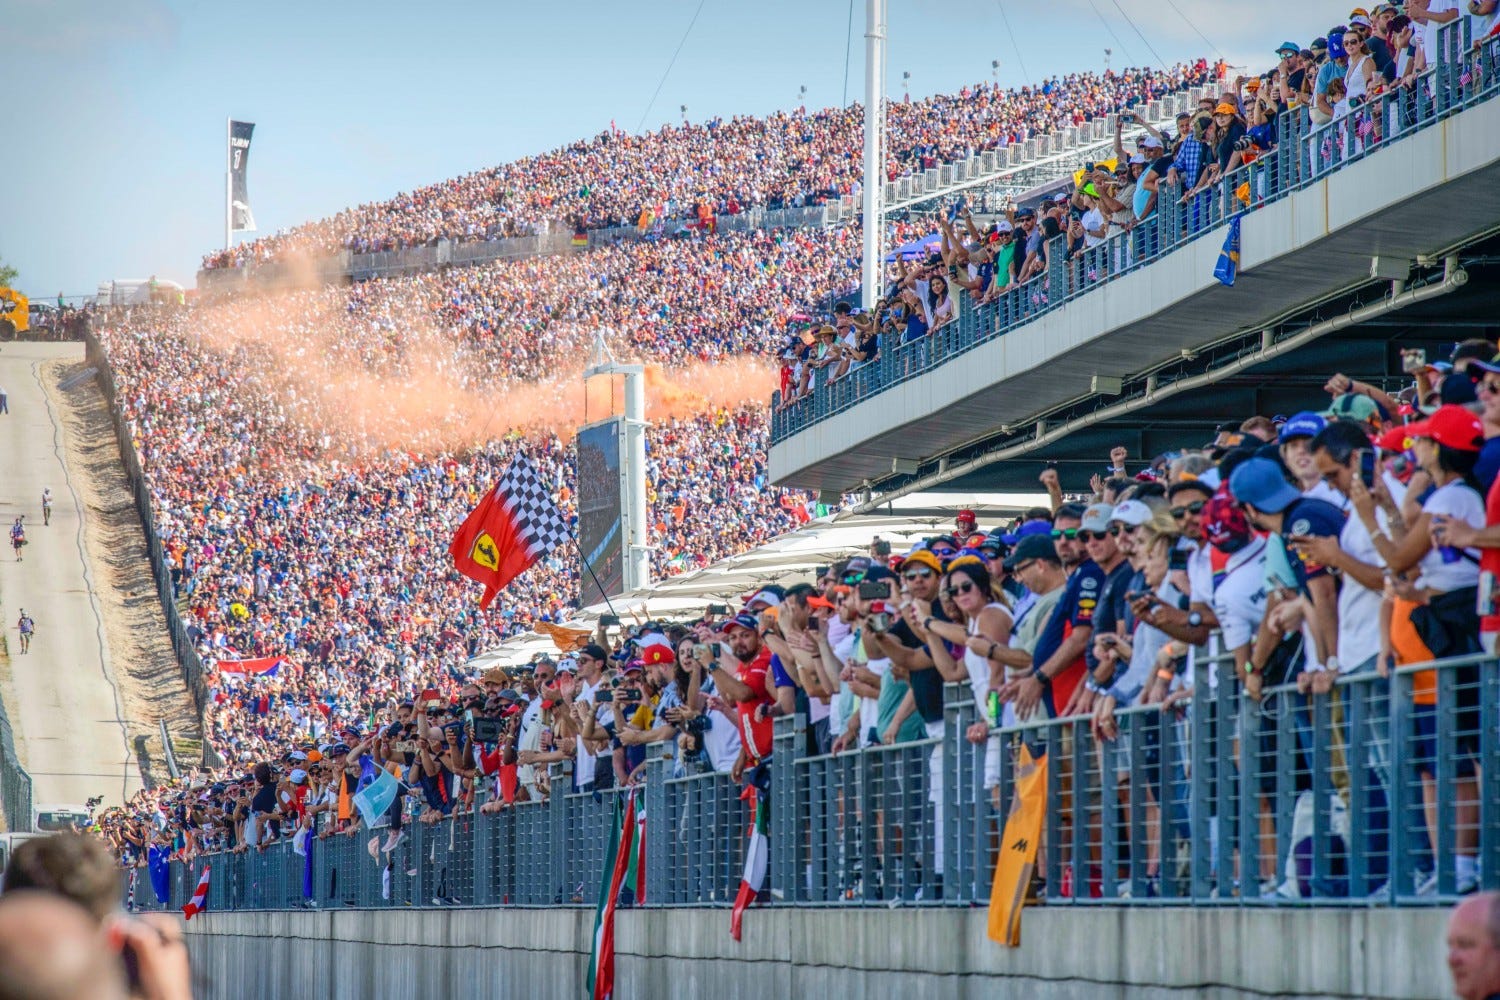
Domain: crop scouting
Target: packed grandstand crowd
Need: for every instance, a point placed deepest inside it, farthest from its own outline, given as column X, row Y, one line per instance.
column 328, row 547
column 786, row 159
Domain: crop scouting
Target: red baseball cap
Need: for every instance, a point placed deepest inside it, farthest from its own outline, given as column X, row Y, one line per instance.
column 1451, row 426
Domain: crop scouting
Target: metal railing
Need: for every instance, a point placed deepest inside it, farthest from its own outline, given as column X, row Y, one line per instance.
column 15, row 783
column 1303, row 155
column 166, row 591
column 1292, row 799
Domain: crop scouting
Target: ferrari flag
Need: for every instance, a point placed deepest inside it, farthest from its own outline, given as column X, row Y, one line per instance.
column 514, row 525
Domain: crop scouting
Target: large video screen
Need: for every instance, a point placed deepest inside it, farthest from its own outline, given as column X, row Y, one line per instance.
column 601, row 521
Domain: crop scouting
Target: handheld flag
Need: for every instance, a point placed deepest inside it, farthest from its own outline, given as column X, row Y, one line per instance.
column 1228, row 266
column 757, row 852
column 601, row 980
column 264, row 666
column 158, row 861
column 514, row 525
column 377, row 797
column 1018, row 850
column 199, row 902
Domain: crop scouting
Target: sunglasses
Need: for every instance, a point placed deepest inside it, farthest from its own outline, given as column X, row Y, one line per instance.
column 1095, row 536
column 1022, row 567
column 917, row 574
column 962, row 588
column 943, row 553
column 1068, row 533
column 1488, row 385
column 1193, row 508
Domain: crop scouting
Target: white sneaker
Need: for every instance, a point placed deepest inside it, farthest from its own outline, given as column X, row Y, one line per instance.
column 1467, row 884
column 1428, row 885
column 393, row 840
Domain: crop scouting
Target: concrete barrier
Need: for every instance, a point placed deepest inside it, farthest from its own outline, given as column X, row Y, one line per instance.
column 1138, row 953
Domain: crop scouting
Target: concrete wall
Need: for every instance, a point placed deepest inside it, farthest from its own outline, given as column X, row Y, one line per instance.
column 1142, row 954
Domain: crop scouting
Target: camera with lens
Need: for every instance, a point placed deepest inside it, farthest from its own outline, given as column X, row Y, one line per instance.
column 696, row 726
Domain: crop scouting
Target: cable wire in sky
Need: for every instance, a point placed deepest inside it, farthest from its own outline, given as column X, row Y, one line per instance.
column 1160, row 61
column 1200, row 34
column 1111, row 29
column 662, row 82
column 1019, row 58
column 848, row 46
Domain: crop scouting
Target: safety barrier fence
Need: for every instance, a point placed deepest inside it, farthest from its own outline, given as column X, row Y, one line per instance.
column 1384, row 789
column 1305, row 153
column 161, row 572
column 15, row 783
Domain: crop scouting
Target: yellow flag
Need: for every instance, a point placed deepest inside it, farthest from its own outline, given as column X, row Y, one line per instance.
column 1018, row 850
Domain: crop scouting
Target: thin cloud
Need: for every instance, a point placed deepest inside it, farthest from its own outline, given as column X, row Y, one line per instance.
column 88, row 28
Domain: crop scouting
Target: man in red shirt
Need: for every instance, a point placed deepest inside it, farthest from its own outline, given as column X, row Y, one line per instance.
column 747, row 685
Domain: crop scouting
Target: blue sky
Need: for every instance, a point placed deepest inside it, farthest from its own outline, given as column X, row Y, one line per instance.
column 115, row 164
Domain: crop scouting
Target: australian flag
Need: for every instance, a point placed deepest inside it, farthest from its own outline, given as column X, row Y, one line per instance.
column 1229, row 257
column 158, row 861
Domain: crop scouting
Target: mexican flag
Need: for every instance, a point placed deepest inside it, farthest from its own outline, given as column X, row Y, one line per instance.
column 757, row 852
column 617, row 861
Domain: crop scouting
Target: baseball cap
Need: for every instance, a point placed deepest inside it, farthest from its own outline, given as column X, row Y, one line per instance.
column 1451, row 426
column 923, row 557
column 1029, row 548
column 1027, row 529
column 1096, row 517
column 1223, row 521
column 769, row 598
column 1259, row 482
column 1303, row 425
column 1132, row 513
column 966, row 515
column 1137, row 158
column 1492, row 366
column 743, row 620
column 298, row 776
column 1225, row 108
column 1361, row 20
column 594, row 650
column 1151, row 141
column 1061, row 197
column 1288, row 47
column 1004, row 227
column 856, row 569
column 1350, row 406
column 1319, row 45
column 1025, row 213
column 1458, row 388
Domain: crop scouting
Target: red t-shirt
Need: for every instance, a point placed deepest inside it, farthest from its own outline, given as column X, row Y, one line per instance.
column 756, row 733
column 1489, row 568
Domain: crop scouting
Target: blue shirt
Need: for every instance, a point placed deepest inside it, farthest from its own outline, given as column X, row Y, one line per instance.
column 1079, row 602
column 1487, row 467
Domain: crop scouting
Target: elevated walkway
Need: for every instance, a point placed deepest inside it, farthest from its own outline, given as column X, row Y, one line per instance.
column 1333, row 211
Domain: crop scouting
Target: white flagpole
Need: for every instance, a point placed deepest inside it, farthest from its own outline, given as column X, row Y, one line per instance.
column 228, row 185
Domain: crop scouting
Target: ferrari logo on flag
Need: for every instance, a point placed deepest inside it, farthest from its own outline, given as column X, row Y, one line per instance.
column 485, row 552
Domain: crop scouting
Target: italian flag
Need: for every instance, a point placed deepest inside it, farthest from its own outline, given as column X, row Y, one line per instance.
column 617, row 861
column 756, row 854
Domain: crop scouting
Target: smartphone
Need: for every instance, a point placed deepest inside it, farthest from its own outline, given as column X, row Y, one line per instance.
column 609, row 619
column 1413, row 359
column 718, row 609
column 880, row 621
column 603, row 696
column 706, row 651
column 1368, row 461
column 1178, row 559
column 875, row 590
column 1088, row 167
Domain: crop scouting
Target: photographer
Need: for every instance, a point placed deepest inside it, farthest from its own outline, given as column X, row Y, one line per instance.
column 741, row 674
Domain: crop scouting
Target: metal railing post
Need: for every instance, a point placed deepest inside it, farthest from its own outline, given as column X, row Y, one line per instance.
column 659, row 827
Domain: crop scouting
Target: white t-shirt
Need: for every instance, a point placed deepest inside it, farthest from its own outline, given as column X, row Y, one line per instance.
column 1240, row 597
column 1327, row 494
column 1359, row 606
column 1447, row 568
column 1430, row 29
column 1093, row 219
column 722, row 741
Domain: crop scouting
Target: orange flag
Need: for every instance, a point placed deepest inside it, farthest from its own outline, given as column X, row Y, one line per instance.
column 1018, row 850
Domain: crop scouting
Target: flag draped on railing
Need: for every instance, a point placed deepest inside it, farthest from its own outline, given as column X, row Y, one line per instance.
column 1228, row 266
column 617, row 861
column 514, row 525
column 757, row 854
column 1023, row 829
column 199, row 902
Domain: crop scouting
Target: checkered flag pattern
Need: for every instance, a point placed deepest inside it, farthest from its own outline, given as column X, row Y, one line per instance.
column 540, row 526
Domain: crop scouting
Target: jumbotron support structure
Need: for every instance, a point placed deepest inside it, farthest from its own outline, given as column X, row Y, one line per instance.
column 634, row 513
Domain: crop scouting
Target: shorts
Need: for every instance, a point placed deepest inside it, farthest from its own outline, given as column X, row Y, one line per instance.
column 819, row 738
column 1425, row 742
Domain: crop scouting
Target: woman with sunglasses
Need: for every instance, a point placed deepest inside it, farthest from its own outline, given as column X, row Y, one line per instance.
column 987, row 617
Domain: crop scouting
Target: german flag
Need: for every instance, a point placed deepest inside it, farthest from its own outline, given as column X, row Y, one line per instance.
column 580, row 237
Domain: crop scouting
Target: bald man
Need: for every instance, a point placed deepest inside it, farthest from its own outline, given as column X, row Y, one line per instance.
column 1474, row 947
column 51, row 949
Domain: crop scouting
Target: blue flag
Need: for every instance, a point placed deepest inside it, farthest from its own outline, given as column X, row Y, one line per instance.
column 1229, row 257
column 376, row 798
column 161, row 872
column 366, row 774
